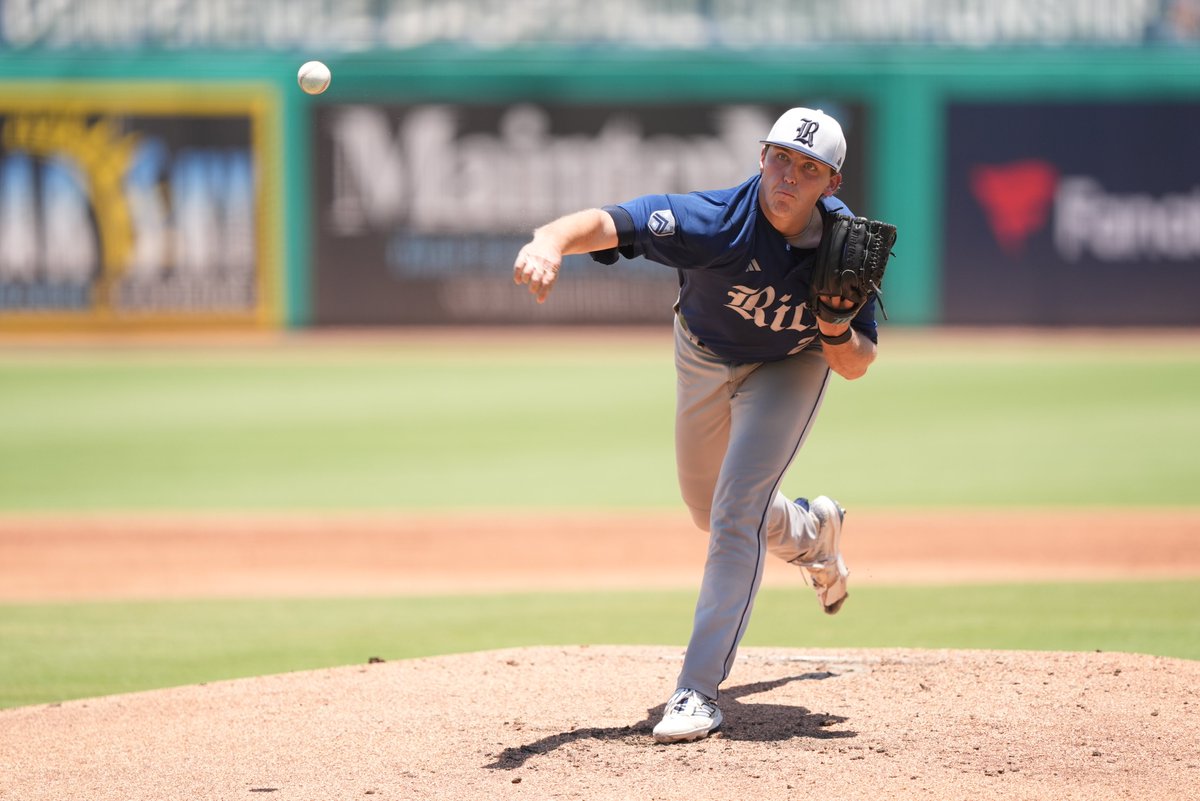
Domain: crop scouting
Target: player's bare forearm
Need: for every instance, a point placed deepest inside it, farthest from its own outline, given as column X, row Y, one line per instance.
column 849, row 359
column 540, row 260
column 580, row 232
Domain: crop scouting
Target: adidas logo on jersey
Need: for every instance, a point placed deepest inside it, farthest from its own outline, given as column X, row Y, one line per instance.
column 753, row 267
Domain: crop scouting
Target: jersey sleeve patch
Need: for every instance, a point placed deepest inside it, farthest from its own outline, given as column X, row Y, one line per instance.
column 661, row 222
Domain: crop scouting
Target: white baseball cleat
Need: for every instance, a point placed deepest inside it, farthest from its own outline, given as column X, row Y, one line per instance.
column 689, row 716
column 824, row 565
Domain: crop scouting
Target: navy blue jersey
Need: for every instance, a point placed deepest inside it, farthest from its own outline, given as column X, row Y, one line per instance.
column 743, row 288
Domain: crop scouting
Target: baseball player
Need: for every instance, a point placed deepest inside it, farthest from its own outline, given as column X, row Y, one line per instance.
column 752, row 363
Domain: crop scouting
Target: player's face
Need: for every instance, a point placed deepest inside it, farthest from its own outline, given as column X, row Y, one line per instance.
column 791, row 185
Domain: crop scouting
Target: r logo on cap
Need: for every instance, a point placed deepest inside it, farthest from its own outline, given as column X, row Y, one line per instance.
column 806, row 132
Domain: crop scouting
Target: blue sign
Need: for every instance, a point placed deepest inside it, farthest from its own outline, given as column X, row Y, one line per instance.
column 1072, row 214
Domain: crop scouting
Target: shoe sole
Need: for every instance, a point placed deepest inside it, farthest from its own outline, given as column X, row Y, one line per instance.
column 690, row 737
column 684, row 738
column 833, row 608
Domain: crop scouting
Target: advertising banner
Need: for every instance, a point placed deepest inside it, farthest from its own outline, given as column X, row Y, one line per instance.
column 1072, row 214
column 129, row 205
column 419, row 210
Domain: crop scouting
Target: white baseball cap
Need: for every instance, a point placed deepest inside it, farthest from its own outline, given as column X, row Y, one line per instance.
column 812, row 132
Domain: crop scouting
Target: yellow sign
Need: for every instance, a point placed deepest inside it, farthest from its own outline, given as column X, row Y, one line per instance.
column 134, row 205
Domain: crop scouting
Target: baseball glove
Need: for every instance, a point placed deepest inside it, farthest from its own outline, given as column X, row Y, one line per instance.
column 850, row 261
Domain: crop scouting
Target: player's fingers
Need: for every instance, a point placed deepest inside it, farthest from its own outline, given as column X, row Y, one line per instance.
column 527, row 266
column 837, row 301
column 530, row 268
column 543, row 283
column 521, row 268
column 536, row 271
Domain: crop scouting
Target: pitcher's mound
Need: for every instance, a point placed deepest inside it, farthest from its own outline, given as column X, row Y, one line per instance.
column 574, row 723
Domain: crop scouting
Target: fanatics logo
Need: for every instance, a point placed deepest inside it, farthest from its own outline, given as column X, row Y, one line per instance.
column 1016, row 198
column 662, row 223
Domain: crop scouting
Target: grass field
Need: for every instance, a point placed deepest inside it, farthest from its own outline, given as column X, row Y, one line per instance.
column 566, row 422
column 937, row 422
column 59, row 651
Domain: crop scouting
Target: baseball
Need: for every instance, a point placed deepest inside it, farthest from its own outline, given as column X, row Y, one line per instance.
column 314, row 77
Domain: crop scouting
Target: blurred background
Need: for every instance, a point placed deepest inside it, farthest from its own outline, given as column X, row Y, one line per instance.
column 160, row 168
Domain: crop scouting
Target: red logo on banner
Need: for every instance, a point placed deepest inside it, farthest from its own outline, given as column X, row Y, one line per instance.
column 1016, row 198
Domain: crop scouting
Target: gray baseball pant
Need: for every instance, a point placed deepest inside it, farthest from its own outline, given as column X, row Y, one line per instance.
column 737, row 429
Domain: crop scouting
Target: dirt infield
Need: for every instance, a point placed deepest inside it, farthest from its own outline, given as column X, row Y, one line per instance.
column 573, row 723
column 47, row 557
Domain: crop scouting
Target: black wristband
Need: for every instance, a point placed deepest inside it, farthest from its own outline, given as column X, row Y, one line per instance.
column 839, row 339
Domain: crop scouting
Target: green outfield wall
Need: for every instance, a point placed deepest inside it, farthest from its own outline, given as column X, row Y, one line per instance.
column 900, row 95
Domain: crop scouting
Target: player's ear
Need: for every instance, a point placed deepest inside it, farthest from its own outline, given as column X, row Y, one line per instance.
column 762, row 157
column 835, row 183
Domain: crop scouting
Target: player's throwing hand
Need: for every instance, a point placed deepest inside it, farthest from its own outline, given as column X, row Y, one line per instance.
column 537, row 265
column 540, row 260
